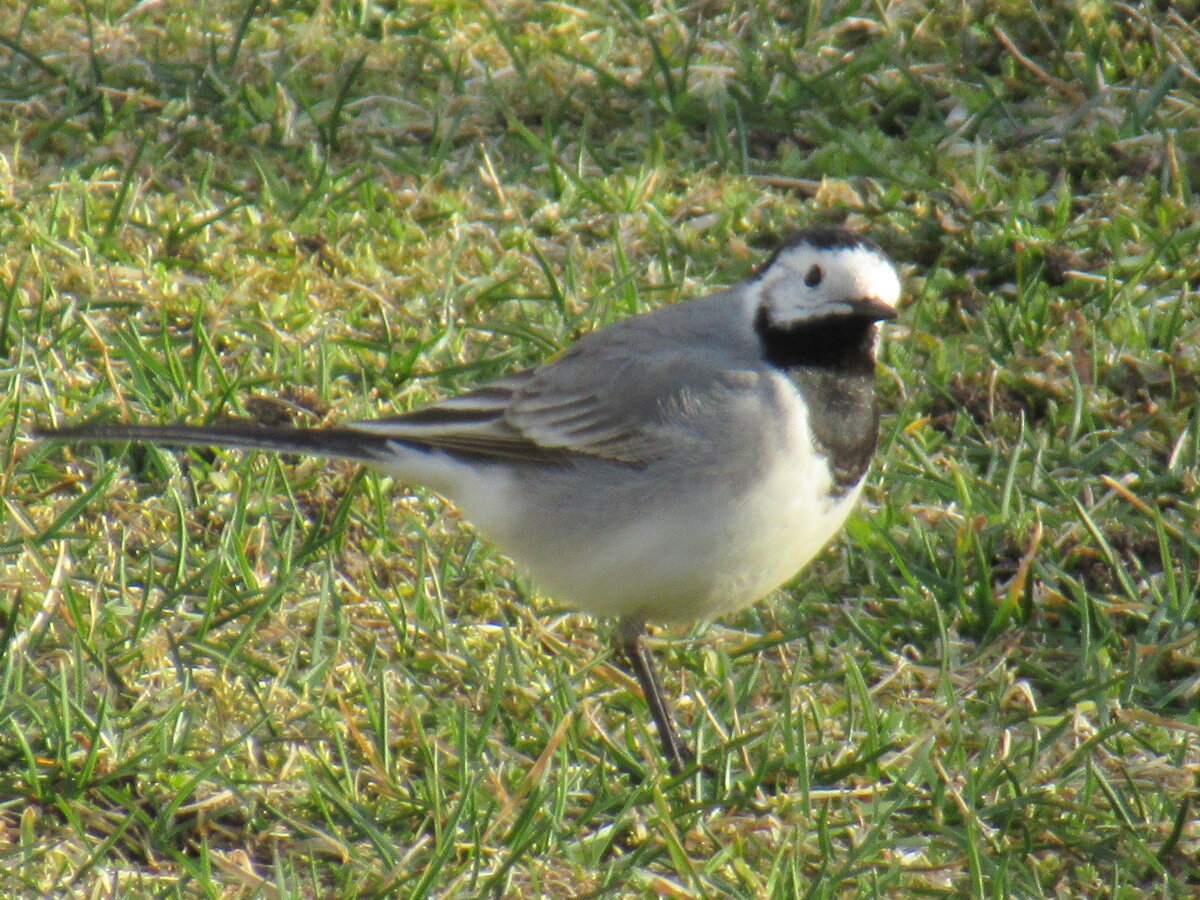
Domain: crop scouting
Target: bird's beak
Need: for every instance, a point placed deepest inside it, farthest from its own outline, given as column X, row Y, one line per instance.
column 871, row 308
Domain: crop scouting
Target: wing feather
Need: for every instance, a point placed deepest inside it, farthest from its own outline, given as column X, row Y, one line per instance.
column 597, row 400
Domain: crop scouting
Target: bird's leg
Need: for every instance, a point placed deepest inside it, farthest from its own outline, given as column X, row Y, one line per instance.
column 630, row 639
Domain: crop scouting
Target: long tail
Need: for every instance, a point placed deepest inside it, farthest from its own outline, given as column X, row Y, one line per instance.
column 335, row 443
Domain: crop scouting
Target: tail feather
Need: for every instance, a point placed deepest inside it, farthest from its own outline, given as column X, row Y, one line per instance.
column 335, row 443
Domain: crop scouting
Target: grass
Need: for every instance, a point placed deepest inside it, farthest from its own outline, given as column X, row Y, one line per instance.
column 239, row 676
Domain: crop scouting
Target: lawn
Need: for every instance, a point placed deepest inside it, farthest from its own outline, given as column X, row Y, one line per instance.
column 243, row 676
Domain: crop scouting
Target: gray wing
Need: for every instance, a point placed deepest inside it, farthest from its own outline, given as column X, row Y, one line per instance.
column 611, row 400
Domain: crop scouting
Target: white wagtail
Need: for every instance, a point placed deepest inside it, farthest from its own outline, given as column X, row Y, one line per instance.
column 674, row 466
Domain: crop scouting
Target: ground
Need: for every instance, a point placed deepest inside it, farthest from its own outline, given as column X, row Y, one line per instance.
column 227, row 675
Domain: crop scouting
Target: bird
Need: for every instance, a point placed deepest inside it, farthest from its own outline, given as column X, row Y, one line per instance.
column 673, row 466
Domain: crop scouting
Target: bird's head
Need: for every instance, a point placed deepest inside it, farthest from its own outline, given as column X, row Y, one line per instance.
column 822, row 272
column 820, row 294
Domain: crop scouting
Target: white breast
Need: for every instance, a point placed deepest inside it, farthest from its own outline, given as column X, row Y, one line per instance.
column 782, row 522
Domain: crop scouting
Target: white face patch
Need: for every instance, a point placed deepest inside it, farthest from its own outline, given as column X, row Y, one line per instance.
column 807, row 282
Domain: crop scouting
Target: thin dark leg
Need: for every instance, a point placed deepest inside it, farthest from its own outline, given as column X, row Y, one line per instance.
column 631, row 642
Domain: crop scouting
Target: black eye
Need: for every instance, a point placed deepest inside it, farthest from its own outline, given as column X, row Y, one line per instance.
column 814, row 276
